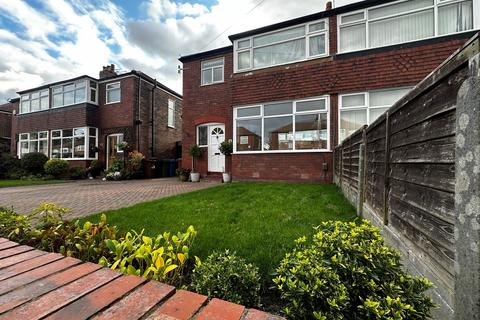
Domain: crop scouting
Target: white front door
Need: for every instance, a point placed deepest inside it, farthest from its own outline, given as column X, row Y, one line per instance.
column 216, row 160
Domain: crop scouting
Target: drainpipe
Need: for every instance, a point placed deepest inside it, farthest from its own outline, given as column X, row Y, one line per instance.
column 138, row 121
column 152, row 122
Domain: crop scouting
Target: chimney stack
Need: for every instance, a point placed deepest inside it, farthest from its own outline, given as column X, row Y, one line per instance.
column 108, row 71
column 328, row 6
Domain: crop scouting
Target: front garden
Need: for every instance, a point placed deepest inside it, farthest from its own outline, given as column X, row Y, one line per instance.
column 286, row 248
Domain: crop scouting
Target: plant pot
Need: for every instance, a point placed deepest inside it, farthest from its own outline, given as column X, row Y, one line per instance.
column 226, row 177
column 183, row 177
column 195, row 176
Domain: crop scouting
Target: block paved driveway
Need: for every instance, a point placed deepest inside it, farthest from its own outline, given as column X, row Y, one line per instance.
column 91, row 196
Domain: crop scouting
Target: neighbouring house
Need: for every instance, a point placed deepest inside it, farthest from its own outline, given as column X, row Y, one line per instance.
column 6, row 112
column 288, row 93
column 85, row 119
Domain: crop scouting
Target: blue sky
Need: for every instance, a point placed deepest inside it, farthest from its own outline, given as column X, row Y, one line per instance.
column 43, row 41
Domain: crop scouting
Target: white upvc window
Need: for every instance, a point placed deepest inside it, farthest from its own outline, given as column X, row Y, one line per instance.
column 403, row 21
column 69, row 94
column 92, row 92
column 74, row 144
column 113, row 92
column 171, row 113
column 202, row 135
column 363, row 108
column 34, row 101
column 33, row 142
column 292, row 44
column 212, row 71
column 287, row 126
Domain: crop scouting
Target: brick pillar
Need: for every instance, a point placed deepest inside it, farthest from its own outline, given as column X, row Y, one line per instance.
column 467, row 196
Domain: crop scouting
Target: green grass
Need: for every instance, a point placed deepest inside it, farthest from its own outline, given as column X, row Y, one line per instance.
column 16, row 183
column 260, row 221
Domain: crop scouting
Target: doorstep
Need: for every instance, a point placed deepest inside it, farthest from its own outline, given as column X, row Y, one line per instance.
column 36, row 284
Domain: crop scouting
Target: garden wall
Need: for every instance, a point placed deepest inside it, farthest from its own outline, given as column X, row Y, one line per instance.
column 400, row 172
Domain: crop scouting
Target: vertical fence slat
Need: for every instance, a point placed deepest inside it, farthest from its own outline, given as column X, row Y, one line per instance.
column 387, row 169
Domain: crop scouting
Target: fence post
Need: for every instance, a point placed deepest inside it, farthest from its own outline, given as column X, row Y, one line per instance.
column 467, row 196
column 361, row 179
column 387, row 168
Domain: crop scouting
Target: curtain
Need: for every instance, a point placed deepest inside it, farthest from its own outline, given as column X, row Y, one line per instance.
column 455, row 17
column 279, row 53
column 350, row 121
column 317, row 45
column 243, row 60
column 352, row 37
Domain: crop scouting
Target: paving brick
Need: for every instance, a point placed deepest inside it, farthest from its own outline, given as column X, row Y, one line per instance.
column 3, row 240
column 181, row 306
column 35, row 274
column 62, row 296
column 13, row 251
column 7, row 244
column 253, row 314
column 29, row 265
column 137, row 303
column 99, row 299
column 33, row 290
column 20, row 257
column 220, row 310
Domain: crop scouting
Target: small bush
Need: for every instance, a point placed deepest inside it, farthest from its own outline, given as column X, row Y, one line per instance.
column 117, row 165
column 10, row 166
column 135, row 159
column 226, row 276
column 14, row 226
column 34, row 162
column 76, row 173
column 56, row 167
column 226, row 147
column 95, row 168
column 347, row 272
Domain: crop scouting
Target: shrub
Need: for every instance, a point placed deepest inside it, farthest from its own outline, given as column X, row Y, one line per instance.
column 34, row 162
column 226, row 147
column 56, row 167
column 9, row 166
column 347, row 272
column 95, row 168
column 14, row 226
column 135, row 159
column 226, row 276
column 75, row 173
column 183, row 174
column 117, row 165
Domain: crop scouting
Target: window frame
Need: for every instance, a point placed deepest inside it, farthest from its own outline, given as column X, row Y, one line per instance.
column 107, row 90
column 62, row 85
column 306, row 36
column 294, row 113
column 173, row 110
column 29, row 140
column 86, row 141
column 29, row 99
column 365, row 107
column 366, row 21
column 211, row 68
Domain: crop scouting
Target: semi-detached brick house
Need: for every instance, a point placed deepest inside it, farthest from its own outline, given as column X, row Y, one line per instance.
column 289, row 92
column 84, row 118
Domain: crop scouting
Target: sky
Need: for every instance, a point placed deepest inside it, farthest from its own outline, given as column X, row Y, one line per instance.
column 43, row 41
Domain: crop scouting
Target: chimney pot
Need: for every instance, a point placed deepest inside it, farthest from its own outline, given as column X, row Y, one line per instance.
column 107, row 71
column 328, row 6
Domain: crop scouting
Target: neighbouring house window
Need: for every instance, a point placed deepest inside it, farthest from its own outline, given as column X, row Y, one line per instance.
column 74, row 144
column 113, row 92
column 282, row 126
column 212, row 71
column 171, row 113
column 403, row 21
column 363, row 108
column 202, row 136
column 34, row 101
column 92, row 91
column 33, row 142
column 284, row 46
column 69, row 94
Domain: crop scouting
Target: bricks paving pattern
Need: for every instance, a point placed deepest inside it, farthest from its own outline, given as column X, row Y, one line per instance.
column 57, row 287
column 91, row 196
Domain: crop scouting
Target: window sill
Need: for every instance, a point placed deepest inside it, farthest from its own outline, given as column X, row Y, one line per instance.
column 282, row 151
column 212, row 84
column 171, row 127
column 112, row 102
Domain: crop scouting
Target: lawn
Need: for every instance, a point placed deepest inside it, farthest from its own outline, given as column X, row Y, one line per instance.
column 260, row 221
column 15, row 183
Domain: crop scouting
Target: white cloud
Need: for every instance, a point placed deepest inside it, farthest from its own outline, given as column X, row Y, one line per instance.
column 67, row 38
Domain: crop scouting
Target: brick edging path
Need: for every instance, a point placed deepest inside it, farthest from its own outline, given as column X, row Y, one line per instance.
column 35, row 284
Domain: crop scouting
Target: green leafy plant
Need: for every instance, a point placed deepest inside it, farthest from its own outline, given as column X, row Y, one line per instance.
column 34, row 162
column 75, row 173
column 183, row 174
column 226, row 276
column 347, row 272
column 56, row 167
column 160, row 258
column 116, row 166
column 194, row 152
column 14, row 226
column 135, row 159
column 123, row 146
column 226, row 147
column 10, row 166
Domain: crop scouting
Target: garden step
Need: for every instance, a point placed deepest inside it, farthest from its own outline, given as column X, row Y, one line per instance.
column 38, row 284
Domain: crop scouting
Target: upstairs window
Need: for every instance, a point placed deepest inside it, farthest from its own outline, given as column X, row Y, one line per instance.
column 69, row 94
column 284, row 46
column 113, row 92
column 92, row 94
column 212, row 71
column 34, row 101
column 171, row 113
column 403, row 21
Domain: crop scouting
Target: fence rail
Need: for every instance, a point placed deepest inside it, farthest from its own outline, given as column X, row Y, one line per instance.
column 400, row 172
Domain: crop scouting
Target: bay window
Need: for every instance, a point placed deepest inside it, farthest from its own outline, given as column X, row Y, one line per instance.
column 358, row 109
column 403, row 21
column 280, row 47
column 33, row 142
column 76, row 143
column 282, row 126
column 34, row 101
column 69, row 94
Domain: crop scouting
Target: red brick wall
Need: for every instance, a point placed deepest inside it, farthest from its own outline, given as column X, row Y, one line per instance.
column 390, row 67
